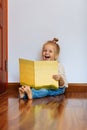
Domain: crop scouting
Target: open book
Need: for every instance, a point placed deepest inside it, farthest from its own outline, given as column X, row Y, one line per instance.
column 38, row 74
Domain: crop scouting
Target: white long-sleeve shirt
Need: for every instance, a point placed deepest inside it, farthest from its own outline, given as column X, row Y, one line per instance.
column 61, row 71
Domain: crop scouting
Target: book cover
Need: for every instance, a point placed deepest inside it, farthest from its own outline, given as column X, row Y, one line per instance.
column 38, row 74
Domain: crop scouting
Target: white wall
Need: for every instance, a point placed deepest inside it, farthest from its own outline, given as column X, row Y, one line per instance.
column 33, row 22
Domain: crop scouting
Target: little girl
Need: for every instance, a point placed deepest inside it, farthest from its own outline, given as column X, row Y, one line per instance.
column 50, row 51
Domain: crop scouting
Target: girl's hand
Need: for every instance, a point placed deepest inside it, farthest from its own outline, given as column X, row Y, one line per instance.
column 59, row 78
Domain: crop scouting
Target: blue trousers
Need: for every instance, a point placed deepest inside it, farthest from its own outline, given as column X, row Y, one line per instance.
column 45, row 92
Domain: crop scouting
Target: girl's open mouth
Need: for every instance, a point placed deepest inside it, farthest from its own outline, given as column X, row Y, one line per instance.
column 47, row 57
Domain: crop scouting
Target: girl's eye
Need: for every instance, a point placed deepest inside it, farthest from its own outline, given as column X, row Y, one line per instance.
column 44, row 50
column 50, row 51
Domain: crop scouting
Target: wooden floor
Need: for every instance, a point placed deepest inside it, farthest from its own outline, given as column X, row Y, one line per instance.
column 65, row 112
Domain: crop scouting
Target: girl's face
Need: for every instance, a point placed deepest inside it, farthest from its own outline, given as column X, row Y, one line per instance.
column 49, row 52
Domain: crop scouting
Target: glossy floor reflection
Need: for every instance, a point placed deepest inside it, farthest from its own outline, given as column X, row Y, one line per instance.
column 64, row 112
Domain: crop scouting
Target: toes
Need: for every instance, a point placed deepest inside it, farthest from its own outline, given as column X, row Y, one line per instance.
column 21, row 89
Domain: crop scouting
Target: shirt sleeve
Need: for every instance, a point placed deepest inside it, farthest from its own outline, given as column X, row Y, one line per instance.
column 61, row 71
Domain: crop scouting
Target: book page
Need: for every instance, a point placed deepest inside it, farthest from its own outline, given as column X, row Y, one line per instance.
column 27, row 76
column 44, row 70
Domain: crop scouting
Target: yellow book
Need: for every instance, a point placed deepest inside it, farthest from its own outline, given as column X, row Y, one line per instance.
column 38, row 74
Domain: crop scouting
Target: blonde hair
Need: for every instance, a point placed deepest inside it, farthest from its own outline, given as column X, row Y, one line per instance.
column 55, row 44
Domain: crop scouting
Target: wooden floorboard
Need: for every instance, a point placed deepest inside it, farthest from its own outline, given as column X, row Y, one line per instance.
column 65, row 112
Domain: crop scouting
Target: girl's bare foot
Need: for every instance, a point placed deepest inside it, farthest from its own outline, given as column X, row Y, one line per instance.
column 22, row 91
column 28, row 92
